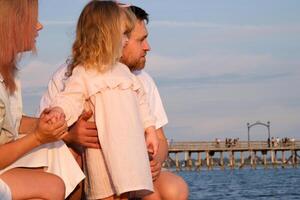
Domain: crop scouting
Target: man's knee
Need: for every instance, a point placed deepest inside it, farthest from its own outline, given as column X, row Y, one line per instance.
column 171, row 186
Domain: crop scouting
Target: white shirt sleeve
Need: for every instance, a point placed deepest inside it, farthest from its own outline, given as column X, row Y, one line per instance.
column 55, row 86
column 73, row 96
column 154, row 99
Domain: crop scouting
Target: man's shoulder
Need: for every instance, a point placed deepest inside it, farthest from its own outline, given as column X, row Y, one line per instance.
column 144, row 77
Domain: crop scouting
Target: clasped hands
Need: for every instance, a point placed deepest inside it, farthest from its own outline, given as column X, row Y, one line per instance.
column 51, row 126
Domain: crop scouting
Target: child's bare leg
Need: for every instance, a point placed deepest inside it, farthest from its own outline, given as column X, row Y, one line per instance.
column 122, row 197
column 34, row 184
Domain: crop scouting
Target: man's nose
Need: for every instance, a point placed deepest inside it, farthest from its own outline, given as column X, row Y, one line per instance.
column 146, row 46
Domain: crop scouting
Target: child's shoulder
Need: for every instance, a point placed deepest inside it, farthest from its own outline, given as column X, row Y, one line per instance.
column 121, row 70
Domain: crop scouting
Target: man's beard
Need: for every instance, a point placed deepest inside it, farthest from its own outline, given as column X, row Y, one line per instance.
column 137, row 65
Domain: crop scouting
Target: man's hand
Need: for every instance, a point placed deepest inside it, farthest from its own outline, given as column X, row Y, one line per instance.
column 155, row 165
column 84, row 133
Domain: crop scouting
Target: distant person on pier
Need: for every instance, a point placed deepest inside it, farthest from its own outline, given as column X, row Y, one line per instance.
column 272, row 141
column 277, row 141
column 217, row 140
column 167, row 186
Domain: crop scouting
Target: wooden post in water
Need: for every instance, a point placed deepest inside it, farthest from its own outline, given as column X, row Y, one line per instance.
column 199, row 162
column 255, row 159
column 272, row 157
column 231, row 158
column 242, row 160
column 190, row 162
column 186, row 157
column 207, row 160
column 177, row 162
column 294, row 158
column 283, row 161
column 221, row 160
column 251, row 159
column 273, row 160
column 264, row 154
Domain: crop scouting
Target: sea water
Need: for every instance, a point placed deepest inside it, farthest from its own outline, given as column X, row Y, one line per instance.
column 243, row 183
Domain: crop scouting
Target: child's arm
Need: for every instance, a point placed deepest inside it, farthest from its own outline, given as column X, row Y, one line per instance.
column 73, row 97
column 152, row 140
column 148, row 120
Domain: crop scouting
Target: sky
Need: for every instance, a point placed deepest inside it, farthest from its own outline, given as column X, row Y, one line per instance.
column 218, row 64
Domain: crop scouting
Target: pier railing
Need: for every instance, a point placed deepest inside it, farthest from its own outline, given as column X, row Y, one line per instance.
column 239, row 146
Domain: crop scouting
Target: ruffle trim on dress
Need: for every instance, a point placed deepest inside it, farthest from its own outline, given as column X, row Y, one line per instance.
column 119, row 78
column 102, row 85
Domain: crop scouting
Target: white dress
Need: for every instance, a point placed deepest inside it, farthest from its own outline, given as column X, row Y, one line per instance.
column 121, row 112
column 93, row 185
column 54, row 157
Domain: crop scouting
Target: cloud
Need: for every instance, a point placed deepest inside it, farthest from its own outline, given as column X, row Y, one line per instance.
column 36, row 74
column 241, row 28
column 222, row 66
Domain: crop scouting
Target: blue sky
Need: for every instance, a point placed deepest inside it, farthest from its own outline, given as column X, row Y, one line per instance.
column 218, row 63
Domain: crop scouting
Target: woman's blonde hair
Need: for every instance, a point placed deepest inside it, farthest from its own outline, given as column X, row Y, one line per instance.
column 18, row 20
column 99, row 36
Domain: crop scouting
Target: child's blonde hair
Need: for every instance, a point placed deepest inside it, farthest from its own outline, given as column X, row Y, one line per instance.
column 18, row 23
column 99, row 35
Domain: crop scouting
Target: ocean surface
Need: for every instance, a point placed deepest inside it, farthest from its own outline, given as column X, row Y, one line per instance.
column 243, row 184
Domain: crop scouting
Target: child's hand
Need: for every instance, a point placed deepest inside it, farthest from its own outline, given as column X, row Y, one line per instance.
column 54, row 115
column 152, row 141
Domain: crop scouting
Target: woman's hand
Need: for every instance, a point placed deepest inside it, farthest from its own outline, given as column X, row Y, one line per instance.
column 48, row 130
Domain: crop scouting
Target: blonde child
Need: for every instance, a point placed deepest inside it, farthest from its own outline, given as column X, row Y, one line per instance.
column 99, row 82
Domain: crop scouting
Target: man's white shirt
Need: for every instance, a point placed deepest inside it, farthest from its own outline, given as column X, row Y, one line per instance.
column 57, row 84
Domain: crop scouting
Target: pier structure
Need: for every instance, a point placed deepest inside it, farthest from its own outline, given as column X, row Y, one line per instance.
column 213, row 154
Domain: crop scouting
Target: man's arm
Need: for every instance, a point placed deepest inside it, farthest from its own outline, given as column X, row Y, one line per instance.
column 83, row 133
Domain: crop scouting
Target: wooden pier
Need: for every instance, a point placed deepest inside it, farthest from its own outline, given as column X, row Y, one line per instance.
column 220, row 154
